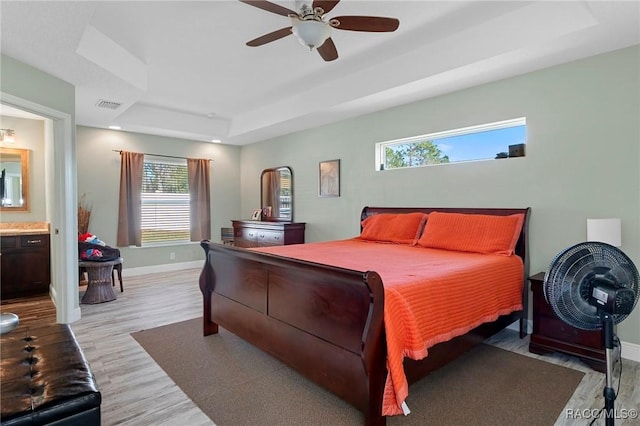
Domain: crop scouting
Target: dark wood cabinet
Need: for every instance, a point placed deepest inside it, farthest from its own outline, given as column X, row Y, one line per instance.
column 551, row 334
column 257, row 233
column 25, row 266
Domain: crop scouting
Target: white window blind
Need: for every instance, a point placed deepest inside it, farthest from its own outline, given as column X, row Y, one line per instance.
column 165, row 201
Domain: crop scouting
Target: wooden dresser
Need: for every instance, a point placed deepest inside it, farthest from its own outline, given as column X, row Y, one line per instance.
column 258, row 233
column 25, row 265
column 551, row 334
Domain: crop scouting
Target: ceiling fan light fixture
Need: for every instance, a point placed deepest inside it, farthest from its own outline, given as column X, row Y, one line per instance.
column 311, row 33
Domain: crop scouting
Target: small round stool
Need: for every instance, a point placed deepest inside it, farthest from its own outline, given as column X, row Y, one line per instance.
column 99, row 279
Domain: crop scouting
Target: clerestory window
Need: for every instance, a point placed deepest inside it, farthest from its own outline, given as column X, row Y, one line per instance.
column 503, row 139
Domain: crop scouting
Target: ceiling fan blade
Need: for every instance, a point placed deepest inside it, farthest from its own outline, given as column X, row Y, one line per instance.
column 328, row 50
column 366, row 23
column 269, row 7
column 326, row 5
column 268, row 38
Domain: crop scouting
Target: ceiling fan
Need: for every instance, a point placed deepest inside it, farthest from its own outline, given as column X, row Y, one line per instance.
column 313, row 30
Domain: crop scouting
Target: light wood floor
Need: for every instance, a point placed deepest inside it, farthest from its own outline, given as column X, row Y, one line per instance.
column 136, row 391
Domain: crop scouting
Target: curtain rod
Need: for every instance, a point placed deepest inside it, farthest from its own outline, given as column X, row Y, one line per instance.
column 119, row 151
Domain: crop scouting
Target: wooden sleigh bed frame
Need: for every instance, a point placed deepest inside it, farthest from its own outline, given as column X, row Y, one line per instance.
column 281, row 306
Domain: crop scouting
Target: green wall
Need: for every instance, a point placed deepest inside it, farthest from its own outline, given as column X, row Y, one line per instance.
column 29, row 83
column 99, row 180
column 582, row 158
column 32, row 85
column 31, row 89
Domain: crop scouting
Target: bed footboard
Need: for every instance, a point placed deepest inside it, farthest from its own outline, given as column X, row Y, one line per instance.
column 323, row 321
column 327, row 322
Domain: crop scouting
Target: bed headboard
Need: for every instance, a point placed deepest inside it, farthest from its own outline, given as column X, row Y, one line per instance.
column 521, row 246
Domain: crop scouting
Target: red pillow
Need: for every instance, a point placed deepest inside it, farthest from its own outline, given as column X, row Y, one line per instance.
column 476, row 233
column 403, row 228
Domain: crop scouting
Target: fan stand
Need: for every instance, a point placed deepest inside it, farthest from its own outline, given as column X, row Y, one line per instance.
column 608, row 393
column 603, row 277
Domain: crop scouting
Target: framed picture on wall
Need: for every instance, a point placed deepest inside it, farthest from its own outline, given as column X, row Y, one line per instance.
column 329, row 180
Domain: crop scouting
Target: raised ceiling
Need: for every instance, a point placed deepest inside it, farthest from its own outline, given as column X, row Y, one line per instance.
column 182, row 69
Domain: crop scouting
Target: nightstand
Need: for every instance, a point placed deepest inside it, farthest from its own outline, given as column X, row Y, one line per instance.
column 551, row 334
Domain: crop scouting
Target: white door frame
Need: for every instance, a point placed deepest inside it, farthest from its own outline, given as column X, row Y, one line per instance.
column 60, row 165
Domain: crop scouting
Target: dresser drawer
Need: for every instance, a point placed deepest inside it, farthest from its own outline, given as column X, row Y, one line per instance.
column 247, row 234
column 270, row 238
column 241, row 242
column 253, row 233
column 558, row 329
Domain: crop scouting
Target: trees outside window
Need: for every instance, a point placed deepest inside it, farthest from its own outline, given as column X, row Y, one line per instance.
column 165, row 202
column 414, row 154
column 481, row 142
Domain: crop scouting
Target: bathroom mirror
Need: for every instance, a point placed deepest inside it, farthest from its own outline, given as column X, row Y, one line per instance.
column 14, row 180
column 276, row 194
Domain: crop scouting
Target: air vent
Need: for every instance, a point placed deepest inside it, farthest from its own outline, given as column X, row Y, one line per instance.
column 108, row 104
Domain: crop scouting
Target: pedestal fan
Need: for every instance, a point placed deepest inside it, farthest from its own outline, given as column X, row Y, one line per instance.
column 592, row 286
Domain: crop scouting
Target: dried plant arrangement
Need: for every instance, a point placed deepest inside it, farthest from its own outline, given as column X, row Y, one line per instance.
column 84, row 215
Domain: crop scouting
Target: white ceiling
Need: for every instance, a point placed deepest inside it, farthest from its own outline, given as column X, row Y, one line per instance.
column 182, row 69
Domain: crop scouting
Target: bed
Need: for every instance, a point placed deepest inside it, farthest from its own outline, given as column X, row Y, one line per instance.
column 322, row 308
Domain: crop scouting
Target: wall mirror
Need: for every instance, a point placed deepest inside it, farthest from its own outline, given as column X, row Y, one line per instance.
column 14, row 179
column 276, row 194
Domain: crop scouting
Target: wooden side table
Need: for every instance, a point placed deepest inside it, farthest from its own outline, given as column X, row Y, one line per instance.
column 551, row 334
column 99, row 279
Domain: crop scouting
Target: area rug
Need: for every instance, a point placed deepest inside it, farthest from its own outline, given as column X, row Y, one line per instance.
column 235, row 383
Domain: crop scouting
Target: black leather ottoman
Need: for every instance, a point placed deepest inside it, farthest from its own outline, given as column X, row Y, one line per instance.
column 45, row 379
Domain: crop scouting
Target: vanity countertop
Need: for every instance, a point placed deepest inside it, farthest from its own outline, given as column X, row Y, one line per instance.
column 23, row 228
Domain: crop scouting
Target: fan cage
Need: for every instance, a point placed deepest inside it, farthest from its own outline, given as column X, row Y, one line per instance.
column 566, row 283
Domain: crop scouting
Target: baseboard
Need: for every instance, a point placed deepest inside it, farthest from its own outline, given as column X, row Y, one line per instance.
column 142, row 270
column 630, row 351
column 53, row 293
column 76, row 314
column 72, row 315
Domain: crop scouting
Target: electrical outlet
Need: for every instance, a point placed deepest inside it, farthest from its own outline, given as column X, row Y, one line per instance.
column 172, row 256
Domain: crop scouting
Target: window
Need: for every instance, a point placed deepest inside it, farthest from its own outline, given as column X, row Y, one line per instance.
column 165, row 201
column 487, row 141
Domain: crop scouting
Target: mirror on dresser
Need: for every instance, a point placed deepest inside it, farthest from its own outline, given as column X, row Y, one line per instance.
column 14, row 179
column 276, row 194
column 276, row 226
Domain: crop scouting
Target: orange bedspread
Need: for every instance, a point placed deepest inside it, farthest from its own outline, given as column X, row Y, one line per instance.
column 431, row 295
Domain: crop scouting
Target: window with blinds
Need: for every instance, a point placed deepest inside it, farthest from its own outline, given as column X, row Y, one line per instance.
column 165, row 201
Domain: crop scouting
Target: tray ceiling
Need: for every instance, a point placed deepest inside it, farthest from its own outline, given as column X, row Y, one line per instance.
column 182, row 69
